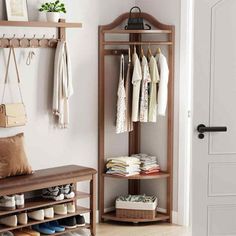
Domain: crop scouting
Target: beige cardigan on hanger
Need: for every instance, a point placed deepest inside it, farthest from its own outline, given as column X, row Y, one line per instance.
column 63, row 88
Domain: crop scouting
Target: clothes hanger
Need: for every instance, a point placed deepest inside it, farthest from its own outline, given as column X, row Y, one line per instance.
column 149, row 50
column 159, row 51
column 142, row 52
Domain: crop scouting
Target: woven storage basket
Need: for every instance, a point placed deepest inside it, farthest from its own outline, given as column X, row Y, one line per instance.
column 136, row 210
column 136, row 214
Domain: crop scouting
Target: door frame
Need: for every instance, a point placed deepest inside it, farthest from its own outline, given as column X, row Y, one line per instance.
column 185, row 111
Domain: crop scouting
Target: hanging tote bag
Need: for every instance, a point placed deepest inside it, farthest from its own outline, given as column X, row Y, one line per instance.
column 12, row 114
column 136, row 22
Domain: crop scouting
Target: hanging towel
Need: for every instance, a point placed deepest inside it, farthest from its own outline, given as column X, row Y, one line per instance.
column 163, row 86
column 121, row 125
column 136, row 81
column 153, row 89
column 144, row 90
column 63, row 88
column 128, row 92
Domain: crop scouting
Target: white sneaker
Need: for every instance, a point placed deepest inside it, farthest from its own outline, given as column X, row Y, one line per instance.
column 22, row 219
column 54, row 193
column 70, row 208
column 49, row 213
column 67, row 190
column 36, row 215
column 7, row 233
column 9, row 221
column 20, row 201
column 60, row 209
column 7, row 203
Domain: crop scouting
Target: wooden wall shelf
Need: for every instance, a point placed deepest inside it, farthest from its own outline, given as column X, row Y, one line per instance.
column 41, row 24
column 49, row 178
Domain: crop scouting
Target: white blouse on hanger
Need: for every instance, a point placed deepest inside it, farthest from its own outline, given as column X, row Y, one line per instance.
column 136, row 81
column 121, row 124
column 163, row 86
column 153, row 89
column 144, row 91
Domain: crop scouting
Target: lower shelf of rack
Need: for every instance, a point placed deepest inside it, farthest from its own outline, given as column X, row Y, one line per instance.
column 80, row 210
column 112, row 216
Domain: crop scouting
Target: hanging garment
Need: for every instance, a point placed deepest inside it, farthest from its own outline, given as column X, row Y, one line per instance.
column 128, row 91
column 136, row 81
column 152, row 117
column 163, row 85
column 121, row 125
column 63, row 88
column 144, row 91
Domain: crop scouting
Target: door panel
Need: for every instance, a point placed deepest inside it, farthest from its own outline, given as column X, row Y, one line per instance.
column 223, row 67
column 222, row 179
column 221, row 220
column 214, row 104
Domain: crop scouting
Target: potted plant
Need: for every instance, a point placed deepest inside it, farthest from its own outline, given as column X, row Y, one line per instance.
column 53, row 10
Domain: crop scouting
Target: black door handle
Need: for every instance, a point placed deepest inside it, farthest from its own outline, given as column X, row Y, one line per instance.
column 202, row 129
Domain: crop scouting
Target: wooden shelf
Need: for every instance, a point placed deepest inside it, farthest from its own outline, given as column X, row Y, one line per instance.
column 120, row 31
column 82, row 195
column 112, row 216
column 36, row 203
column 160, row 175
column 80, row 210
column 40, row 24
column 137, row 43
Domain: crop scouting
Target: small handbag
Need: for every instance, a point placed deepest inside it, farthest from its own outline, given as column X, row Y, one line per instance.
column 12, row 114
column 136, row 23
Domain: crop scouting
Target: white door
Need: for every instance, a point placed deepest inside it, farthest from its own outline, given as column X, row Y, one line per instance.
column 214, row 156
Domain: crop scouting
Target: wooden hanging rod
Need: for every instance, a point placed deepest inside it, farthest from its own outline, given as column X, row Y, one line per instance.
column 137, row 31
column 137, row 43
column 40, row 24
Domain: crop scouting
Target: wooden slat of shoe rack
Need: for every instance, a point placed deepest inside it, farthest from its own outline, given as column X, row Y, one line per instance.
column 48, row 178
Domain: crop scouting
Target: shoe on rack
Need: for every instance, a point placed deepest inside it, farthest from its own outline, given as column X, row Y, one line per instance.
column 36, row 215
column 55, row 226
column 54, row 193
column 7, row 233
column 22, row 219
column 49, row 213
column 20, row 201
column 7, row 203
column 80, row 221
column 70, row 208
column 60, row 209
column 67, row 190
column 43, row 229
column 9, row 221
column 68, row 223
column 30, row 232
column 20, row 233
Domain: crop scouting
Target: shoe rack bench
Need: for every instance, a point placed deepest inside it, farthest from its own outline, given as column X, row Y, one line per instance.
column 49, row 178
column 161, row 35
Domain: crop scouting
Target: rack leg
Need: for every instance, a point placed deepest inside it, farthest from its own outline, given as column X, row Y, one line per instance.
column 93, row 207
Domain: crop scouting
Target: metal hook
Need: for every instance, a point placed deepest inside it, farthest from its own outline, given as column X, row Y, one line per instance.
column 3, row 36
column 13, row 37
column 43, row 37
column 23, row 37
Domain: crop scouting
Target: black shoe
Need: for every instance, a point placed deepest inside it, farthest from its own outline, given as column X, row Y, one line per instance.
column 80, row 221
column 68, row 223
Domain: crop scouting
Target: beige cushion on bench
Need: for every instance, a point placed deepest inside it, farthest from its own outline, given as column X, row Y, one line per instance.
column 13, row 160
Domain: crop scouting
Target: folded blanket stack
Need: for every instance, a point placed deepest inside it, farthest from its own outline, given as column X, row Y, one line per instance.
column 123, row 166
column 149, row 164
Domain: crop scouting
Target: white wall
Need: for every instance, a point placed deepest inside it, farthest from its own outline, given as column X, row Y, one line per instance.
column 47, row 146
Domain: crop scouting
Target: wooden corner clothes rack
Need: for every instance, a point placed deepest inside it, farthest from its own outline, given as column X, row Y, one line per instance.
column 15, row 42
column 49, row 178
column 135, row 38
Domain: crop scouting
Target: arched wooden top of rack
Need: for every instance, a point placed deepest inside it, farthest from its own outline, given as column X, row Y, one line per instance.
column 160, row 27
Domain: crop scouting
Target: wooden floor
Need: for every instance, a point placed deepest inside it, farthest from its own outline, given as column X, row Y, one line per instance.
column 162, row 229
